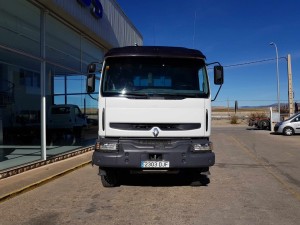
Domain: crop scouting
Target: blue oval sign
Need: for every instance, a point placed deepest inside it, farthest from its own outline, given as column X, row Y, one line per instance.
column 94, row 5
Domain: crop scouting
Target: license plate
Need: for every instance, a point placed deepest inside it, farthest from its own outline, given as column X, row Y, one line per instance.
column 155, row 164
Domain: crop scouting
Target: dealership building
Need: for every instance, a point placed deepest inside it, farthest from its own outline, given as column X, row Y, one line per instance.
column 45, row 47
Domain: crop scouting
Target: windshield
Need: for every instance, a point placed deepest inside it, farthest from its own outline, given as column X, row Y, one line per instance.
column 292, row 117
column 144, row 77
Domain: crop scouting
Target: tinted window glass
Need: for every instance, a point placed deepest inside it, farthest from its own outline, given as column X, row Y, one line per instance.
column 154, row 76
column 60, row 110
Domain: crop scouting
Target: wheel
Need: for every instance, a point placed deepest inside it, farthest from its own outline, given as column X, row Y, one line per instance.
column 199, row 180
column 264, row 124
column 250, row 123
column 110, row 179
column 258, row 124
column 288, row 131
column 199, row 177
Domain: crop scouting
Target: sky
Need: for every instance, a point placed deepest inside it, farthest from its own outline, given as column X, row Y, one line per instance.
column 236, row 33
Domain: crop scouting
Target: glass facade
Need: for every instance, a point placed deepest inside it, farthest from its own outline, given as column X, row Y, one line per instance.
column 70, row 114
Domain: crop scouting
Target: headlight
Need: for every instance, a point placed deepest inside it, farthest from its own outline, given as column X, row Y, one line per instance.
column 203, row 147
column 102, row 146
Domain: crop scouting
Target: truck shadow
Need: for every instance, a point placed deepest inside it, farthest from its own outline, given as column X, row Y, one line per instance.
column 164, row 180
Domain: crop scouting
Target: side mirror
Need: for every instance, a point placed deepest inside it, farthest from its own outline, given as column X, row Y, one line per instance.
column 218, row 75
column 91, row 78
column 90, row 83
column 91, row 68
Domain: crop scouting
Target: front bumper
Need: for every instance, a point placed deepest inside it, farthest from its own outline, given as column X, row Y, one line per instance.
column 179, row 153
column 278, row 128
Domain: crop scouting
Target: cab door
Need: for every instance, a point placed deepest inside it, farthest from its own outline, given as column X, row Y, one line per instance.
column 80, row 119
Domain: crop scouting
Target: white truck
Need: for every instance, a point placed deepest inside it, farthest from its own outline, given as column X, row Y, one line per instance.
column 65, row 120
column 62, row 120
column 66, row 116
column 154, row 111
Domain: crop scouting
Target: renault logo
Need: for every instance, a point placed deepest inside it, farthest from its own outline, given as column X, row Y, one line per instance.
column 155, row 132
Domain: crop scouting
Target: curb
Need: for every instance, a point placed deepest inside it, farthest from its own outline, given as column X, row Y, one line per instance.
column 42, row 182
column 30, row 166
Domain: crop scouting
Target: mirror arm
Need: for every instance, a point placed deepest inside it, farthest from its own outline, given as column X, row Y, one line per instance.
column 208, row 64
column 96, row 63
column 217, row 93
column 96, row 99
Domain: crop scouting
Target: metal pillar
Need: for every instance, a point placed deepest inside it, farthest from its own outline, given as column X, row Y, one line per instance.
column 43, row 85
column 290, row 86
column 277, row 75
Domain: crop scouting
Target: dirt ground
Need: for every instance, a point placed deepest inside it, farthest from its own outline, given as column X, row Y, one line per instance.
column 225, row 118
column 227, row 122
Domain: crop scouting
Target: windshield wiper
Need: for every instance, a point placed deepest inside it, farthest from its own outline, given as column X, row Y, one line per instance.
column 139, row 95
column 180, row 95
column 126, row 95
column 134, row 95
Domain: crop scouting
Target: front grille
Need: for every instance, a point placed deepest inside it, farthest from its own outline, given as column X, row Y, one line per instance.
column 161, row 126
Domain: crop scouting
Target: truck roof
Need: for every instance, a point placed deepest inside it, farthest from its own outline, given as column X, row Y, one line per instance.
column 155, row 51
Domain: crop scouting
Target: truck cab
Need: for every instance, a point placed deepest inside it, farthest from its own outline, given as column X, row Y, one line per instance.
column 154, row 111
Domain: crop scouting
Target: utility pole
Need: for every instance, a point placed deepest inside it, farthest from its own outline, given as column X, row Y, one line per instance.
column 290, row 86
column 228, row 106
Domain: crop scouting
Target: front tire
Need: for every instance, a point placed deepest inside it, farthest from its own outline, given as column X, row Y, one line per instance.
column 199, row 177
column 288, row 131
column 110, row 179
